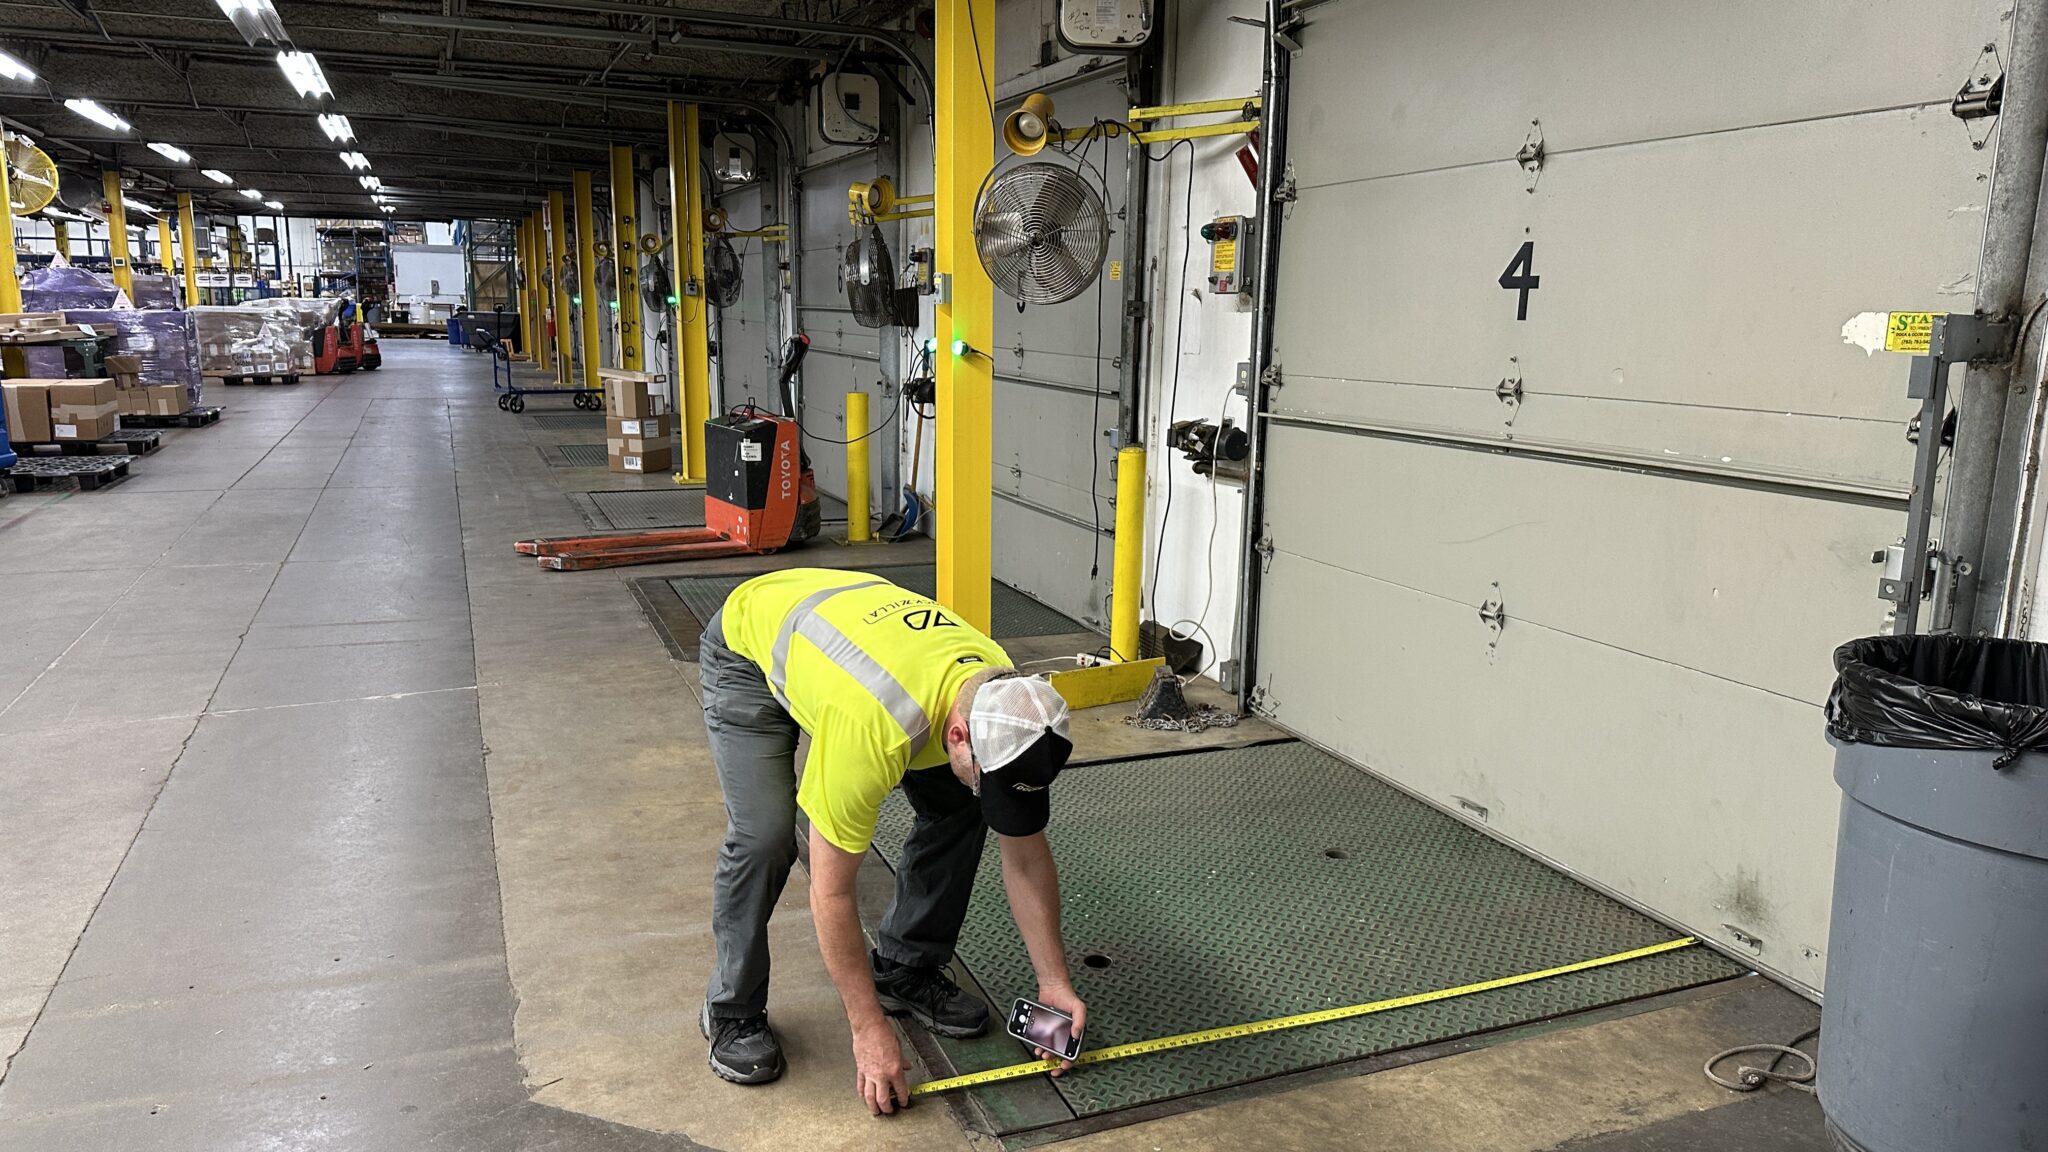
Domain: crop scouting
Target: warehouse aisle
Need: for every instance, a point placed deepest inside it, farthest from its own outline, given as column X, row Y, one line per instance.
column 246, row 763
column 328, row 823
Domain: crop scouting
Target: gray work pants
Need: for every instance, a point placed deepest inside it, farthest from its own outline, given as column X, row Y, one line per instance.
column 753, row 742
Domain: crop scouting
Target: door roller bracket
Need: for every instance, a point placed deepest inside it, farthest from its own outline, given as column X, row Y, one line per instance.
column 1981, row 97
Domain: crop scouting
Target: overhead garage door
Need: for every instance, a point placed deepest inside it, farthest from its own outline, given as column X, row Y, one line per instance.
column 1572, row 481
column 844, row 356
column 748, row 333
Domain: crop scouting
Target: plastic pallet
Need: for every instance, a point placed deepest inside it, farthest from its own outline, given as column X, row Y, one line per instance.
column 31, row 473
column 259, row 378
column 193, row 418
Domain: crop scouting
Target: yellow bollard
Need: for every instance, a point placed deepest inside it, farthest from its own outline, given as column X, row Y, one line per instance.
column 857, row 467
column 1127, row 574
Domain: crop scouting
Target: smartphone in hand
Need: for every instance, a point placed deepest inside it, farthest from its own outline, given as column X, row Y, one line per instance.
column 1047, row 1029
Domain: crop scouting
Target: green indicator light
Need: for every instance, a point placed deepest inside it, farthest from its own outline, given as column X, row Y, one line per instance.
column 931, row 345
column 960, row 348
column 615, row 305
column 576, row 300
column 672, row 301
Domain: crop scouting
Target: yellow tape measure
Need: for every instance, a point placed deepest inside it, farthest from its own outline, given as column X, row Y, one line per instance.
column 1282, row 1023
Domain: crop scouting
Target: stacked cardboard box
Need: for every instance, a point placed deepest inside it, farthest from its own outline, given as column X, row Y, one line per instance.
column 637, row 425
column 139, row 399
column 40, row 411
column 243, row 341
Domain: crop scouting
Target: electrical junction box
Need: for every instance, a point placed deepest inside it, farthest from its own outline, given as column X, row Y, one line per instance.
column 849, row 108
column 732, row 158
column 1233, row 254
column 1105, row 25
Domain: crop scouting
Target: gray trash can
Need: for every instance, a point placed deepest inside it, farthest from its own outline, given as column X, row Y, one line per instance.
column 1934, row 1029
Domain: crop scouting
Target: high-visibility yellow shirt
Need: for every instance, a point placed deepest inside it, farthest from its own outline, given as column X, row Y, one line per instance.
column 869, row 669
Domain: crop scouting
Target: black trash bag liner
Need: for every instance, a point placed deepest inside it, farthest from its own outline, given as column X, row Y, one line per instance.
column 1956, row 692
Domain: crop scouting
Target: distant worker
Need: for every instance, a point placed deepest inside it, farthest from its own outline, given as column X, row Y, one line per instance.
column 892, row 690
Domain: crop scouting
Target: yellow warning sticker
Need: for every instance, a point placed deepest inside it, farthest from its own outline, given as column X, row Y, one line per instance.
column 1909, row 331
column 1116, row 269
column 1223, row 258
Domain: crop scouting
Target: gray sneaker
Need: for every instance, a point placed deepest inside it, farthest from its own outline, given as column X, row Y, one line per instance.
column 929, row 995
column 743, row 1051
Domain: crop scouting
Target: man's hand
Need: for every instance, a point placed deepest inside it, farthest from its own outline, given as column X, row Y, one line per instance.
column 878, row 1061
column 1062, row 997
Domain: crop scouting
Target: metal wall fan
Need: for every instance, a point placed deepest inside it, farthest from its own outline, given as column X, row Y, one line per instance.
column 722, row 272
column 1042, row 233
column 657, row 289
column 869, row 280
column 31, row 176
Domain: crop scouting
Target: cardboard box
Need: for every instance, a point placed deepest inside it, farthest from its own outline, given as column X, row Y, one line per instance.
column 128, row 364
column 627, row 400
column 27, row 404
column 153, row 400
column 83, row 409
column 652, row 462
column 658, row 427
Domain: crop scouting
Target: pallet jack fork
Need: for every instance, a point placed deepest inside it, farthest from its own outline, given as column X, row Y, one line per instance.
column 760, row 496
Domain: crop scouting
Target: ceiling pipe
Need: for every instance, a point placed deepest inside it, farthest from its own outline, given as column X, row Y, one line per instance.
column 894, row 41
column 605, row 35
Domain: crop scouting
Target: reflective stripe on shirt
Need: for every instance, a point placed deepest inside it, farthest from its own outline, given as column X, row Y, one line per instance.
column 837, row 647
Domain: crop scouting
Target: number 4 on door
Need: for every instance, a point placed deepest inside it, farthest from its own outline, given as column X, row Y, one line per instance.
column 1521, row 276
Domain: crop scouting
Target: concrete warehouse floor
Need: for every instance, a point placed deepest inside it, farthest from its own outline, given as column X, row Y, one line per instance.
column 329, row 823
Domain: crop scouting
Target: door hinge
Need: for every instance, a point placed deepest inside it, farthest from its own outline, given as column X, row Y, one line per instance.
column 1265, row 550
column 1530, row 155
column 1270, row 377
column 1494, row 614
column 1982, row 96
column 1509, row 390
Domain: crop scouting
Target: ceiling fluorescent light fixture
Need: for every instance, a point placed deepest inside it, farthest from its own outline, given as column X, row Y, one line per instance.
column 98, row 115
column 370, row 182
column 132, row 202
column 274, row 205
column 12, row 69
column 256, row 20
column 252, row 194
column 304, row 73
column 337, row 128
column 387, row 207
column 218, row 176
column 170, row 152
column 356, row 160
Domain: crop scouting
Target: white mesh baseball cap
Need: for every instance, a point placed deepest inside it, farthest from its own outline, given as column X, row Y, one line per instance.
column 1018, row 733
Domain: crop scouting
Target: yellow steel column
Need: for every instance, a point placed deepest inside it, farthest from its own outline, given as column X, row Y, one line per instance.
column 117, row 232
column 626, row 254
column 522, row 283
column 693, row 312
column 188, row 242
column 586, row 275
column 538, row 291
column 564, row 363
column 63, row 230
column 964, row 145
column 1127, row 570
column 857, row 468
column 163, row 245
column 10, row 283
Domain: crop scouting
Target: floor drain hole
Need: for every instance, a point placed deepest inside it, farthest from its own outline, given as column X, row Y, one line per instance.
column 1336, row 854
column 1095, row 960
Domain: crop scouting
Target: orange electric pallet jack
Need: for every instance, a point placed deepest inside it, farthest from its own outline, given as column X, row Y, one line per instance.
column 760, row 496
